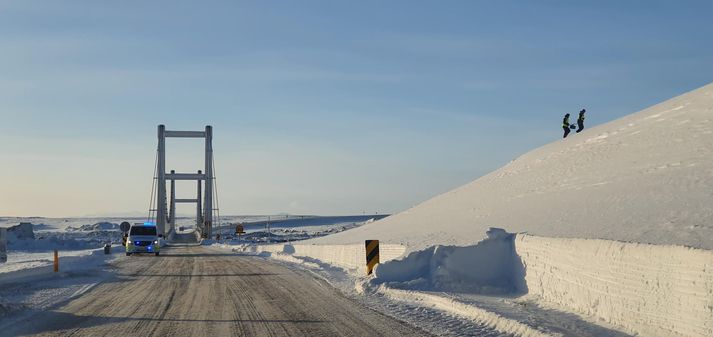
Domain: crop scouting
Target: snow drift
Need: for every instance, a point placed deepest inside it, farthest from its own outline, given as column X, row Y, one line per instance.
column 490, row 267
column 22, row 237
column 103, row 225
column 22, row 231
column 643, row 289
column 644, row 178
column 619, row 223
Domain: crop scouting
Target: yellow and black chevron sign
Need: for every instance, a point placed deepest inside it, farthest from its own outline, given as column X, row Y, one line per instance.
column 372, row 255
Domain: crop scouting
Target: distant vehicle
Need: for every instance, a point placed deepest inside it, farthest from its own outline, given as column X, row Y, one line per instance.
column 143, row 238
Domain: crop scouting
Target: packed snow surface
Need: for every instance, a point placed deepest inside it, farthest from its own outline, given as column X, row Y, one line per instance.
column 27, row 280
column 647, row 178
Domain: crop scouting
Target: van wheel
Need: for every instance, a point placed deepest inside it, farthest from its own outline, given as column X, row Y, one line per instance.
column 156, row 253
column 128, row 254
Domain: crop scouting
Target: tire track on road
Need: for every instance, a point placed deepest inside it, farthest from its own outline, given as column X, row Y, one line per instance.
column 194, row 291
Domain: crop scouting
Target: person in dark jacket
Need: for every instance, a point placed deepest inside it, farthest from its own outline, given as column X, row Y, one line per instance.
column 580, row 121
column 565, row 125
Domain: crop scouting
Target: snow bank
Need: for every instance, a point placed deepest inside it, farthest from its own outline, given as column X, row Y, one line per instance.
column 53, row 242
column 348, row 257
column 23, row 231
column 642, row 289
column 645, row 289
column 103, row 225
column 23, row 266
column 644, row 178
column 490, row 267
column 30, row 255
column 24, row 237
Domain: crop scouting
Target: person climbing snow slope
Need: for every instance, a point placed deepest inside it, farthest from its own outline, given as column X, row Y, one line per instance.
column 580, row 121
column 565, row 125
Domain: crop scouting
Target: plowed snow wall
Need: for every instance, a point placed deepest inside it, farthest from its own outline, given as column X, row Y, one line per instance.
column 647, row 289
column 344, row 256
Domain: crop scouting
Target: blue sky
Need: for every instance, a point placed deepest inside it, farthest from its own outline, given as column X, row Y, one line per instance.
column 328, row 107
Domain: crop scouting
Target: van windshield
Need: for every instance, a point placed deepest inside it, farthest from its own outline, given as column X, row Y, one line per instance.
column 143, row 230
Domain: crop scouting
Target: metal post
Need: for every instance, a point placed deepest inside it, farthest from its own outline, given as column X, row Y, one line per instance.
column 208, row 196
column 172, row 208
column 199, row 206
column 161, row 190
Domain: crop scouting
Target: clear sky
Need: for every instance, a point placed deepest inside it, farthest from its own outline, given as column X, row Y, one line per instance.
column 319, row 107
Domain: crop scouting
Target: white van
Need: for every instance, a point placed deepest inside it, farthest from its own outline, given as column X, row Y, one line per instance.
column 142, row 239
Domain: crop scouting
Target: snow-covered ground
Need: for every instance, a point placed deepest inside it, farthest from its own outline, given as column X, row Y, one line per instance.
column 31, row 245
column 606, row 233
column 611, row 227
column 287, row 228
column 27, row 280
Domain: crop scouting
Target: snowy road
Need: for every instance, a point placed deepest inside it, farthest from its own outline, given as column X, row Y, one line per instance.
column 194, row 291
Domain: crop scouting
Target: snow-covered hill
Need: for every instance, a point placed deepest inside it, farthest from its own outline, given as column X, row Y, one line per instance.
column 647, row 177
column 613, row 224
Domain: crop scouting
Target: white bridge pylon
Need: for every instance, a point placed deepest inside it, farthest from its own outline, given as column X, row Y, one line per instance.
column 204, row 216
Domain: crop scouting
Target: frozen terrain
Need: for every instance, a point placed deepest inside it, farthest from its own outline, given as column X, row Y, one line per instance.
column 643, row 178
column 286, row 228
column 606, row 233
column 28, row 282
column 608, row 229
column 32, row 244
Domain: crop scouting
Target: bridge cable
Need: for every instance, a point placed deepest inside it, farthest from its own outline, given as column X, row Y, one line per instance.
column 153, row 187
column 215, row 194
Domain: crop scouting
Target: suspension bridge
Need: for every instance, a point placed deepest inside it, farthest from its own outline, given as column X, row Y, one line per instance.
column 196, row 290
column 162, row 209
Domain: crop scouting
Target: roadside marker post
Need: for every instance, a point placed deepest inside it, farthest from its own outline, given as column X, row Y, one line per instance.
column 56, row 261
column 372, row 255
column 239, row 229
column 125, row 226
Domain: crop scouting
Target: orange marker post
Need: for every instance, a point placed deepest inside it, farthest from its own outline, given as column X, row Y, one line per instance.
column 56, row 261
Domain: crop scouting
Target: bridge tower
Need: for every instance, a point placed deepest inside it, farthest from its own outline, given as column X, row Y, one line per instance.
column 204, row 217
